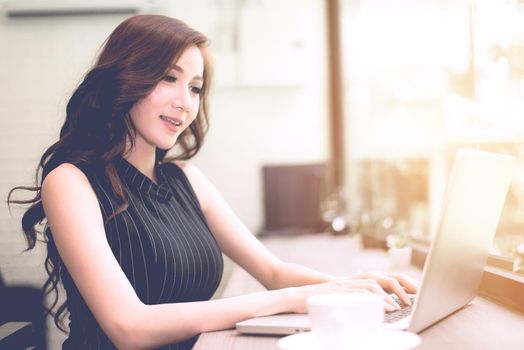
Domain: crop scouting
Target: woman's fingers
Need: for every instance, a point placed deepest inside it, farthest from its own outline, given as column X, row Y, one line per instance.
column 395, row 287
column 399, row 284
column 373, row 286
column 409, row 284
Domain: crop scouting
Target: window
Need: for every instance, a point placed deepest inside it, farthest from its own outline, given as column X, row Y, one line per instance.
column 416, row 89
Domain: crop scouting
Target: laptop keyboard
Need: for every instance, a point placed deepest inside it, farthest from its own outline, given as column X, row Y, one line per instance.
column 394, row 316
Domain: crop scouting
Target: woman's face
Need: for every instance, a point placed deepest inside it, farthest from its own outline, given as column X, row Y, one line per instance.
column 161, row 116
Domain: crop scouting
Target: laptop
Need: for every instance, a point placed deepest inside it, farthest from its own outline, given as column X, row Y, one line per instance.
column 469, row 216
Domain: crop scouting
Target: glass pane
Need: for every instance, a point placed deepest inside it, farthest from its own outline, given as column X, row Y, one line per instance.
column 417, row 88
column 498, row 34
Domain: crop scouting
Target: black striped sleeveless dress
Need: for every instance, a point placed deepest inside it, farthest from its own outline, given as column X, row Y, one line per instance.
column 162, row 242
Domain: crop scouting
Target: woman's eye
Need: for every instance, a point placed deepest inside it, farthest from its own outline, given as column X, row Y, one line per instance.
column 170, row 78
column 196, row 90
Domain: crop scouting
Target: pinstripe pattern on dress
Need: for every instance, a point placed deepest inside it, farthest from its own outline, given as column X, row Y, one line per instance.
column 162, row 243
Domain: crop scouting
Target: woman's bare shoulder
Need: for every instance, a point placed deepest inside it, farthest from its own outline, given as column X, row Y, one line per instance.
column 65, row 176
column 193, row 173
column 182, row 164
column 68, row 199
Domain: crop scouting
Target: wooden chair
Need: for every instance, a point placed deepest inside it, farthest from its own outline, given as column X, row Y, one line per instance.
column 292, row 197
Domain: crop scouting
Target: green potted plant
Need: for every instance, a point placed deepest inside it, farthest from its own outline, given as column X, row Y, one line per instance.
column 399, row 250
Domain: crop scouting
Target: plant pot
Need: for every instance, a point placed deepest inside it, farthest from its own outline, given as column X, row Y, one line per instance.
column 399, row 257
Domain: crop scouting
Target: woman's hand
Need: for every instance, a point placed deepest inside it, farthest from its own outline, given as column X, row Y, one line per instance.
column 379, row 283
column 397, row 283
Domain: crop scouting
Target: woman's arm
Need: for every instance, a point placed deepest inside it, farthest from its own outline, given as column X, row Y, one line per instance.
column 237, row 242
column 74, row 215
column 246, row 250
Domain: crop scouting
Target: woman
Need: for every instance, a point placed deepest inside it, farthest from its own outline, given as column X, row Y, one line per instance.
column 136, row 237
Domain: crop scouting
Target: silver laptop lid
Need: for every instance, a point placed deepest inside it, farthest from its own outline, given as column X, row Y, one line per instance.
column 471, row 209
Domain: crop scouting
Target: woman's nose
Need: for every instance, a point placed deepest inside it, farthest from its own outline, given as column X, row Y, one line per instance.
column 183, row 99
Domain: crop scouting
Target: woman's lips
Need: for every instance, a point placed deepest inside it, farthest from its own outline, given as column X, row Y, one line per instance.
column 173, row 124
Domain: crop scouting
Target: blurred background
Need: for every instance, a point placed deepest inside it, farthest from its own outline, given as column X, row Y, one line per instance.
column 325, row 115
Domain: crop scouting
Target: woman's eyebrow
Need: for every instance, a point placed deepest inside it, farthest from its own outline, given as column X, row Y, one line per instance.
column 180, row 70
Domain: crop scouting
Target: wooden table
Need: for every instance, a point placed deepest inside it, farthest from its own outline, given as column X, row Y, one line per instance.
column 483, row 324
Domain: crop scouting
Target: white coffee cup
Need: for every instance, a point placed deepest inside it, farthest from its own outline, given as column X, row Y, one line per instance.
column 345, row 321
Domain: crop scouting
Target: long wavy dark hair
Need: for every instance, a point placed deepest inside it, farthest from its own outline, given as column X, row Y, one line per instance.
column 136, row 56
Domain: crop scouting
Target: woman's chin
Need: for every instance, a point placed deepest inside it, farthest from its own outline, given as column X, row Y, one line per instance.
column 166, row 146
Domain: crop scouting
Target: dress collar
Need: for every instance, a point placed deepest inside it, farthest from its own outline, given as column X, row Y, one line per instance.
column 137, row 180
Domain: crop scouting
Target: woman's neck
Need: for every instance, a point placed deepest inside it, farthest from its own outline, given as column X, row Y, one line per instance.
column 143, row 160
